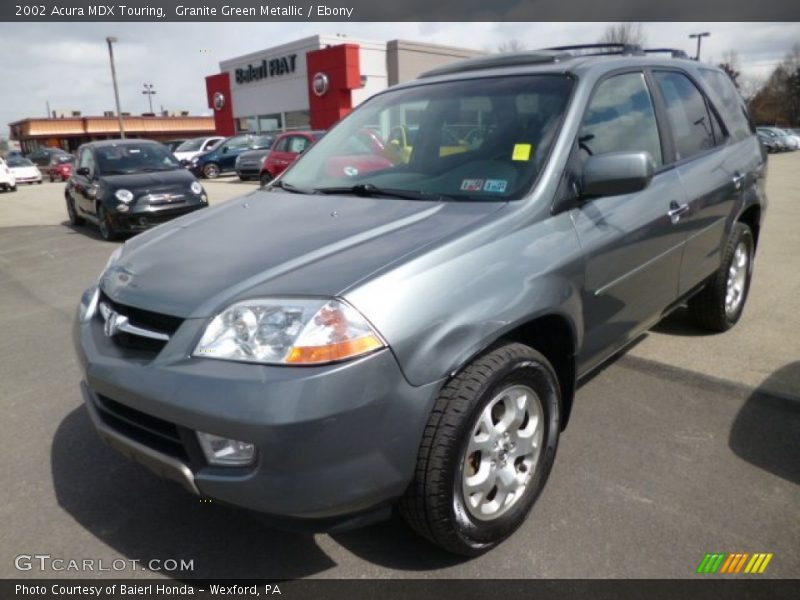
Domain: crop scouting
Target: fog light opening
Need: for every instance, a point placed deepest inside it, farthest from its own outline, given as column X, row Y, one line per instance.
column 224, row 451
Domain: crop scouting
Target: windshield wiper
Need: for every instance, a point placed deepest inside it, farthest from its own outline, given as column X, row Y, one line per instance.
column 293, row 189
column 368, row 189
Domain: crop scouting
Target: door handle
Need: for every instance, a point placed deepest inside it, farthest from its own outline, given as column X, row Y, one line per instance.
column 738, row 179
column 676, row 210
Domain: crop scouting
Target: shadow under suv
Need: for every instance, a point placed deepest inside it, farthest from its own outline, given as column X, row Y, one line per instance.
column 409, row 331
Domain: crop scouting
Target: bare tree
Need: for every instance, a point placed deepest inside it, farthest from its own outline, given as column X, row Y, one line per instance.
column 511, row 45
column 624, row 33
column 731, row 65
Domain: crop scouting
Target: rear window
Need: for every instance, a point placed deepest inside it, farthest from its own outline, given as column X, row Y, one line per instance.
column 732, row 107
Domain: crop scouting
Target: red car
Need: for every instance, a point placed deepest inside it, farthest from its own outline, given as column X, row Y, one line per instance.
column 285, row 150
column 60, row 167
column 363, row 153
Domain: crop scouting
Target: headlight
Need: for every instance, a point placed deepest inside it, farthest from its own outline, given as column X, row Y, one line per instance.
column 125, row 196
column 196, row 187
column 288, row 331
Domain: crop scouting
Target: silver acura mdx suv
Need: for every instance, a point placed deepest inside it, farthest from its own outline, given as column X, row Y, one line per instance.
column 401, row 318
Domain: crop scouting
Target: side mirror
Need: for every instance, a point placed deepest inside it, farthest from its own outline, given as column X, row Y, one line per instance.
column 616, row 173
column 84, row 171
column 224, row 149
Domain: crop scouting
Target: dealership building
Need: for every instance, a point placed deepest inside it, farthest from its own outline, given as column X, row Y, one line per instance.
column 314, row 81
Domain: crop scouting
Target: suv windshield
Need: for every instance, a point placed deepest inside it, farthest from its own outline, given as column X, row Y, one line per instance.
column 134, row 158
column 481, row 139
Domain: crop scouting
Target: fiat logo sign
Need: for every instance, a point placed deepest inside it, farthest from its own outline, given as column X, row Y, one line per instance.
column 219, row 101
column 320, row 84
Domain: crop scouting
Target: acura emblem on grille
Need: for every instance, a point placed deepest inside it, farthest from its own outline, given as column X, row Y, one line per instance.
column 114, row 323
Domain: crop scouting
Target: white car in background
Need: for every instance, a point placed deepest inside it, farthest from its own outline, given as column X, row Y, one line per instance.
column 7, row 180
column 191, row 148
column 24, row 170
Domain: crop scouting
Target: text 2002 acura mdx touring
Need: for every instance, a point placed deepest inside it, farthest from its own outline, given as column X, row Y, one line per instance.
column 410, row 330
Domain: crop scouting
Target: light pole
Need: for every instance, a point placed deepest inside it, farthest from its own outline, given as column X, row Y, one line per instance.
column 148, row 89
column 110, row 40
column 699, row 37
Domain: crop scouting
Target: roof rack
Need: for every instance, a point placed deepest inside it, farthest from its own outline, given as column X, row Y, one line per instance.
column 513, row 59
column 548, row 55
column 633, row 49
column 674, row 52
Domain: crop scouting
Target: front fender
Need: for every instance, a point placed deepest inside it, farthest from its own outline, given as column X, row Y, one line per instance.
column 442, row 308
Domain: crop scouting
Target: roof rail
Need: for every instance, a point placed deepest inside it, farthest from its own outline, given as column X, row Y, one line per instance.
column 675, row 52
column 609, row 48
column 493, row 61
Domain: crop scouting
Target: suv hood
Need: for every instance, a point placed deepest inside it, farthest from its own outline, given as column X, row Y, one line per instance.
column 276, row 244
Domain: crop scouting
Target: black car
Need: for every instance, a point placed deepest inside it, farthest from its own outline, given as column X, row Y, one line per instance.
column 126, row 186
column 248, row 164
column 42, row 157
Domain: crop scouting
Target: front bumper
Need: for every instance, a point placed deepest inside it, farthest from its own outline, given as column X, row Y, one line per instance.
column 143, row 218
column 332, row 441
column 248, row 171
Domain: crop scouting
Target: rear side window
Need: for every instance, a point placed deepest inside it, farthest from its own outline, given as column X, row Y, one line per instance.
column 689, row 118
column 621, row 118
column 733, row 108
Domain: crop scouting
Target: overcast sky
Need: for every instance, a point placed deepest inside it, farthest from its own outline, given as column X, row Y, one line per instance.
column 67, row 63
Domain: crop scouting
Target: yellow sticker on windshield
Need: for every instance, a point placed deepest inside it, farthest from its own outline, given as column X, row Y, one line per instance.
column 521, row 152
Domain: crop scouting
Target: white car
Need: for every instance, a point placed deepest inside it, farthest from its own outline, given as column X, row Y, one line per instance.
column 191, row 148
column 7, row 180
column 24, row 170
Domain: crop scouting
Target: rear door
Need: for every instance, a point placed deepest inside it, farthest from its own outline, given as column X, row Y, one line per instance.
column 632, row 247
column 711, row 169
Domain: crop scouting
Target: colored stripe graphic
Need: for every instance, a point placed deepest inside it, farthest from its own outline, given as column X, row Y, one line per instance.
column 724, row 563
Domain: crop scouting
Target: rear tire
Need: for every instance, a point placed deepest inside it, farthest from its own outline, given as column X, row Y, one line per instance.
column 719, row 305
column 486, row 452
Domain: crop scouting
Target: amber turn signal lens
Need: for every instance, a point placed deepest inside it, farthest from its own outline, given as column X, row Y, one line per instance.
column 333, row 352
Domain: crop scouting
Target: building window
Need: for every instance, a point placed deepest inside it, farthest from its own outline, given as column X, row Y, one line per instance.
column 269, row 123
column 298, row 119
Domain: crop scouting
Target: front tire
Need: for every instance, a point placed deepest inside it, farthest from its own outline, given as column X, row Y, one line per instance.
column 486, row 452
column 72, row 213
column 264, row 178
column 210, row 171
column 107, row 230
column 719, row 305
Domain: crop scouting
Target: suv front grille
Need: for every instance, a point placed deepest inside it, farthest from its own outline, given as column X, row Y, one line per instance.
column 155, row 322
column 146, row 429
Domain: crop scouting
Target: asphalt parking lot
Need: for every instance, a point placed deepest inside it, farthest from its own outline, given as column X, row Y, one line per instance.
column 689, row 443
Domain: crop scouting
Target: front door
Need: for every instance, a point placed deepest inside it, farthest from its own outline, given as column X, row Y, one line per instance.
column 632, row 247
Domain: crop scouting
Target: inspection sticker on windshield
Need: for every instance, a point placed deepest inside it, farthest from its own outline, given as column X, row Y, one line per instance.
column 495, row 185
column 472, row 185
column 521, row 152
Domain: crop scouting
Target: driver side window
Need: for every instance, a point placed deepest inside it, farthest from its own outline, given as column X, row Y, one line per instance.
column 621, row 118
column 87, row 161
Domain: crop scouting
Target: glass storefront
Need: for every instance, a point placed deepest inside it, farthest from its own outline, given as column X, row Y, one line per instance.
column 297, row 119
